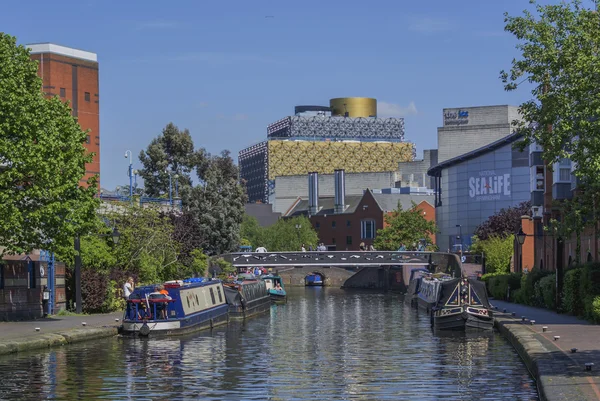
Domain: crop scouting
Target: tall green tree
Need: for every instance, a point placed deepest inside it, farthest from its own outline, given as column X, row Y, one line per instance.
column 172, row 151
column 559, row 48
column 42, row 159
column 290, row 235
column 217, row 204
column 406, row 227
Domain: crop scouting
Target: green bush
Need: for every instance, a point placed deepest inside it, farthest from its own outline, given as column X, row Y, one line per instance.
column 497, row 250
column 572, row 301
column 545, row 292
column 589, row 288
column 527, row 293
column 502, row 285
column 596, row 310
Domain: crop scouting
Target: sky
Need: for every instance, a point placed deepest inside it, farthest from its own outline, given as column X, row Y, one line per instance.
column 226, row 69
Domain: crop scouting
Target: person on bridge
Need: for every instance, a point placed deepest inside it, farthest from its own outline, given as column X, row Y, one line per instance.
column 402, row 248
column 303, row 248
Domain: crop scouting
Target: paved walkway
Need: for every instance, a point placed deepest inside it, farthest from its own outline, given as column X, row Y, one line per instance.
column 54, row 324
column 567, row 369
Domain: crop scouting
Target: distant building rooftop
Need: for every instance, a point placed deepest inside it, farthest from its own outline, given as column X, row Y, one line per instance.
column 39, row 48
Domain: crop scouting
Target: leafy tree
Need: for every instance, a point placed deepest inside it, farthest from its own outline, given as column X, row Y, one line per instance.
column 173, row 150
column 252, row 232
column 497, row 249
column 559, row 58
column 199, row 262
column 146, row 246
column 284, row 236
column 505, row 222
column 218, row 205
column 404, row 227
column 42, row 159
column 187, row 233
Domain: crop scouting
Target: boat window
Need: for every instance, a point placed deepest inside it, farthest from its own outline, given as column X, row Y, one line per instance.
column 220, row 296
column 212, row 296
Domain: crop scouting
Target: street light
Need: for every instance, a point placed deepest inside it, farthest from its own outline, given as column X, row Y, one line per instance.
column 521, row 237
column 130, row 173
column 78, row 303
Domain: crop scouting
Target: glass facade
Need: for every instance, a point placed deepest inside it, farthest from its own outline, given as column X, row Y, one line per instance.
column 474, row 189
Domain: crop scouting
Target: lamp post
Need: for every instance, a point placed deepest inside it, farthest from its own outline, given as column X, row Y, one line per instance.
column 520, row 236
column 176, row 190
column 460, row 237
column 78, row 303
column 170, row 189
column 130, row 173
column 298, row 227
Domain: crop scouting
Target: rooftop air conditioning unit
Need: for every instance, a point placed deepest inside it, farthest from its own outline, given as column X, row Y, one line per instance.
column 536, row 212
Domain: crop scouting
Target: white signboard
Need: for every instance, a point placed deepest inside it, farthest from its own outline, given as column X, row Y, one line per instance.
column 488, row 185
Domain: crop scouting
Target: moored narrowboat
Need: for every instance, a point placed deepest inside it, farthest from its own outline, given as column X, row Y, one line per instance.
column 314, row 279
column 175, row 307
column 275, row 288
column 247, row 297
column 414, row 283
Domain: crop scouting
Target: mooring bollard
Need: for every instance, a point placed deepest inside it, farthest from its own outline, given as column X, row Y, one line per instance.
column 514, row 314
column 504, row 310
column 116, row 320
column 83, row 323
column 556, row 338
column 532, row 322
column 588, row 366
column 573, row 350
column 523, row 318
column 544, row 328
column 37, row 329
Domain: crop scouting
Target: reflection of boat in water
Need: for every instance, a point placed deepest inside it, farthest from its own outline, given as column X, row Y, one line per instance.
column 247, row 296
column 313, row 279
column 272, row 282
column 194, row 304
column 455, row 303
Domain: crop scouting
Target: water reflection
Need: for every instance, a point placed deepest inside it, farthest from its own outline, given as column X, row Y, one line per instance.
column 324, row 343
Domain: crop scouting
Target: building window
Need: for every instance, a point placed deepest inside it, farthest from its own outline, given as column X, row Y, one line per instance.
column 63, row 92
column 87, row 96
column 348, row 240
column 31, row 271
column 367, row 229
column 87, row 139
column 317, row 225
column 333, row 241
column 348, row 223
column 1, row 276
column 538, row 181
column 333, row 224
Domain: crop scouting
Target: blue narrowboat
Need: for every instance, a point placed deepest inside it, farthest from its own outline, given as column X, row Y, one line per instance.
column 314, row 279
column 190, row 305
column 275, row 288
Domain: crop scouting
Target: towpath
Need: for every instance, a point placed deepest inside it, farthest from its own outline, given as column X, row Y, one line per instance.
column 56, row 330
column 561, row 374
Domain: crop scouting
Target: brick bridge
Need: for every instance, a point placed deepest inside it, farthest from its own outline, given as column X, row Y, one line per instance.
column 380, row 270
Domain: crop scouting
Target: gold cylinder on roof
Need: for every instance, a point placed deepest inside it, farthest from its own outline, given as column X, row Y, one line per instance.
column 353, row 106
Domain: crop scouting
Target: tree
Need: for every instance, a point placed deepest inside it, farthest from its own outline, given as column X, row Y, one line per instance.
column 404, row 227
column 42, row 159
column 252, row 232
column 560, row 58
column 503, row 223
column 173, row 150
column 290, row 235
column 497, row 249
column 218, row 205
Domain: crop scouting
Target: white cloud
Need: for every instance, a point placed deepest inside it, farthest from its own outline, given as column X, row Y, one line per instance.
column 385, row 109
column 429, row 25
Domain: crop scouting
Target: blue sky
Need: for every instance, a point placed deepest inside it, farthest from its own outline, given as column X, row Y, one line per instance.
column 226, row 69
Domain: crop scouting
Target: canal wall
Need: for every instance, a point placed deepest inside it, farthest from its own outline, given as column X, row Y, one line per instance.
column 11, row 346
column 547, row 368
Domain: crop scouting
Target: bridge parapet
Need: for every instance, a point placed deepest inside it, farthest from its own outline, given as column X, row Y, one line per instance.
column 435, row 261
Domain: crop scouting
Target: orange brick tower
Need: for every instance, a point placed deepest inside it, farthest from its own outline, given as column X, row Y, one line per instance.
column 72, row 74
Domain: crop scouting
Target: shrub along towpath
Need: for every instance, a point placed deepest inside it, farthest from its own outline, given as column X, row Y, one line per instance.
column 55, row 331
column 561, row 375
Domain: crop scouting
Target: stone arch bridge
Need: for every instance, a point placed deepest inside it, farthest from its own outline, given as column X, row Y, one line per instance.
column 377, row 269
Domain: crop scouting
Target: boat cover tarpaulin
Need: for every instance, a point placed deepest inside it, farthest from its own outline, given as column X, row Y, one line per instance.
column 481, row 291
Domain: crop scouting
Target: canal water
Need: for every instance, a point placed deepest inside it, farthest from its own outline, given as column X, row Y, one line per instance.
column 324, row 344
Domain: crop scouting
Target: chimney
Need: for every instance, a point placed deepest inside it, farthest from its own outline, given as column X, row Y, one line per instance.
column 340, row 191
column 313, row 193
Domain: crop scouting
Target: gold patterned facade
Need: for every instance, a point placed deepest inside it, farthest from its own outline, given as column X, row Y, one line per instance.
column 354, row 106
column 301, row 157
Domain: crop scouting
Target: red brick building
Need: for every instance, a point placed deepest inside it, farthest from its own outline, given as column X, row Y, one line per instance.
column 72, row 75
column 360, row 218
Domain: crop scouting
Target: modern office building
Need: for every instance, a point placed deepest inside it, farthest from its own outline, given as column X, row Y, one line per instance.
column 473, row 186
column 468, row 128
column 72, row 75
column 347, row 135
